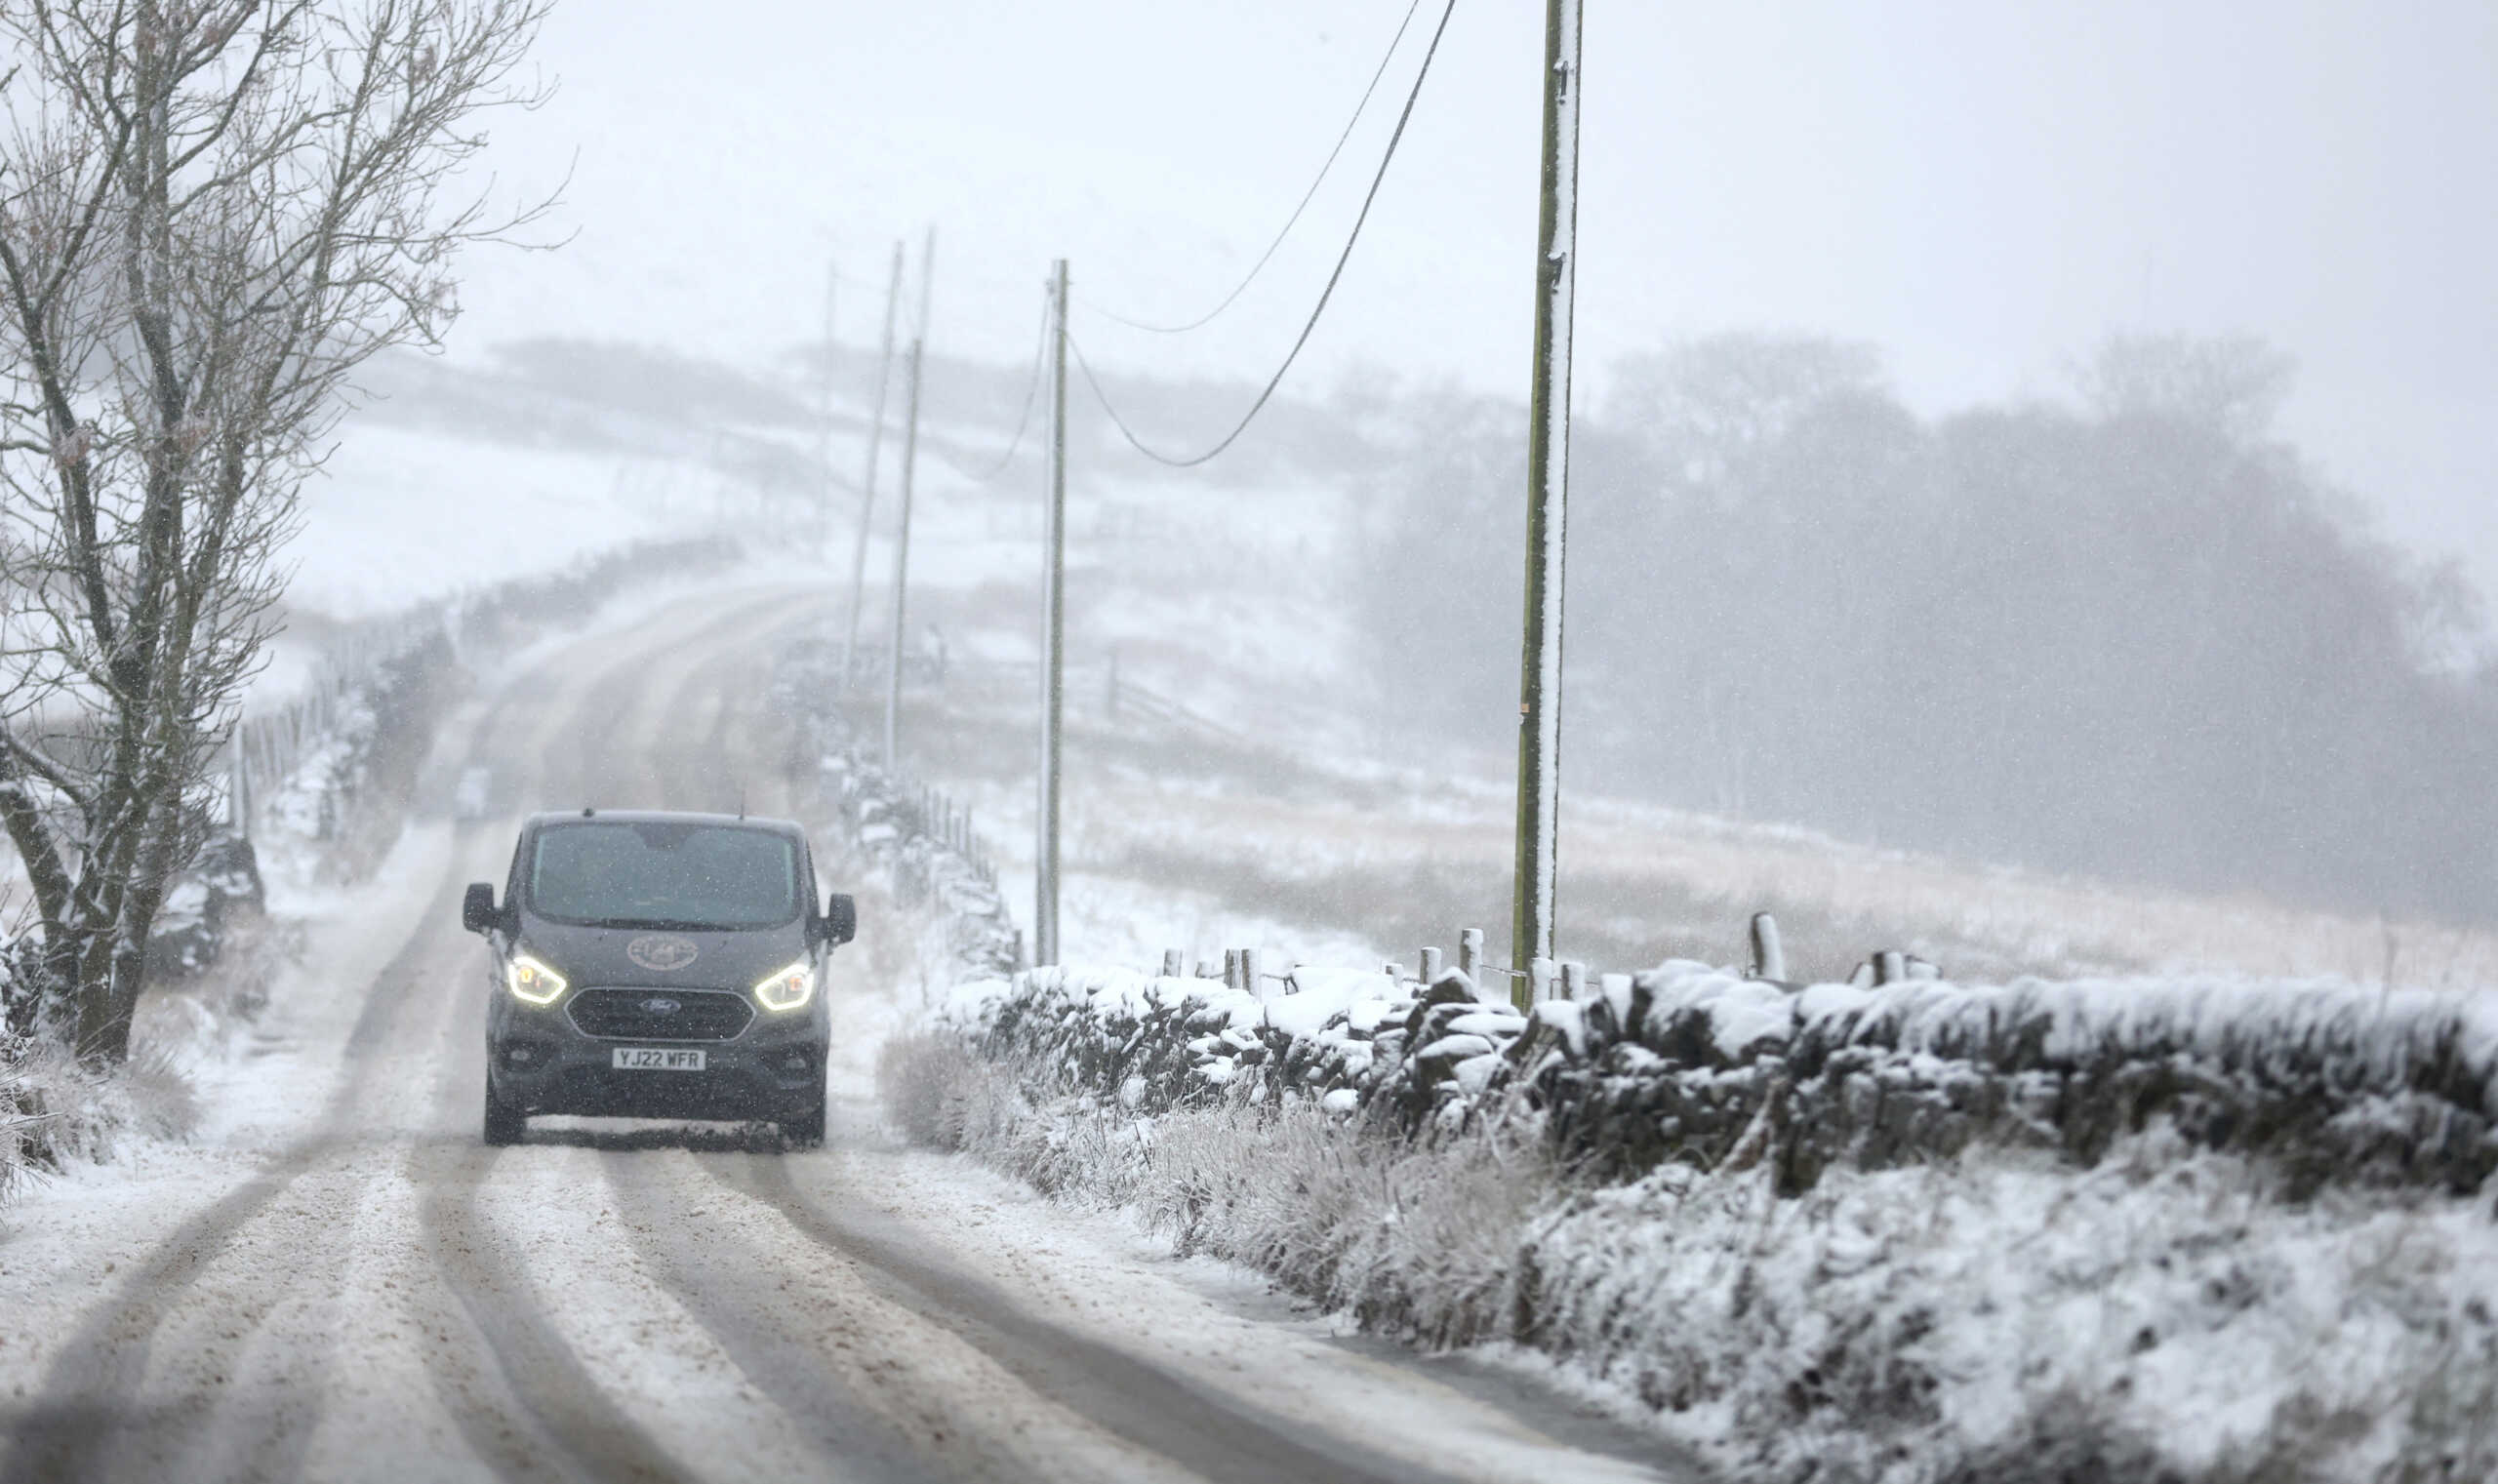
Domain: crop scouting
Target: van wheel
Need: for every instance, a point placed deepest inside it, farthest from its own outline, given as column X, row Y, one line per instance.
column 806, row 1131
column 504, row 1124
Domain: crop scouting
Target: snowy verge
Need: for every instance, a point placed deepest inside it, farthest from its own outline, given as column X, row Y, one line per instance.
column 2175, row 1297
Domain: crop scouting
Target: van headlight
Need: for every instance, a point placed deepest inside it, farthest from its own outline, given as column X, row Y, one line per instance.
column 531, row 982
column 786, row 990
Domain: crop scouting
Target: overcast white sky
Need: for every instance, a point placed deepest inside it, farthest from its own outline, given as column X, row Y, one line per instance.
column 1982, row 190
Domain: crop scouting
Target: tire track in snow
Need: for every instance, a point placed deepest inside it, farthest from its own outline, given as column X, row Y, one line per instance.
column 1213, row 1436
column 568, row 1415
column 568, row 1420
column 755, row 1316
column 716, row 765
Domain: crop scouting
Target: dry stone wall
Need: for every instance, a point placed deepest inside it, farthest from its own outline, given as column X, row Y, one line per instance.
column 1694, row 1064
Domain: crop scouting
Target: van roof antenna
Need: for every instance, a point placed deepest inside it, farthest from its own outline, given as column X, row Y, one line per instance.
column 586, row 811
column 740, row 798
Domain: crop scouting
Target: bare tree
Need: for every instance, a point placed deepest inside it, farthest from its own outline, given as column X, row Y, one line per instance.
column 2232, row 384
column 211, row 212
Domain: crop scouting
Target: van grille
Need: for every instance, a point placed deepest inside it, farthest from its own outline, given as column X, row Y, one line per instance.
column 662, row 1014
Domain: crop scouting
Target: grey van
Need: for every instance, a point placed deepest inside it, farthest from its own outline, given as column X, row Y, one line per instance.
column 658, row 965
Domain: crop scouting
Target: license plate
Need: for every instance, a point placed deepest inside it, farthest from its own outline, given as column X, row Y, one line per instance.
column 657, row 1059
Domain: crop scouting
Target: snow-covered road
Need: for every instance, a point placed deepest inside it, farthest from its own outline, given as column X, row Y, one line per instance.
column 339, row 1280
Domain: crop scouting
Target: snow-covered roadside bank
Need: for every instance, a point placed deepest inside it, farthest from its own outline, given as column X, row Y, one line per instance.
column 1989, row 1312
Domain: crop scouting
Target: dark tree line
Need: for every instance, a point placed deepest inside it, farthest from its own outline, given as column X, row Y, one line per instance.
column 2133, row 637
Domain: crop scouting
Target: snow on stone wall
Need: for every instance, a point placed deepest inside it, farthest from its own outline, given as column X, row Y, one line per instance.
column 1684, row 1062
column 1689, row 1064
column 1924, row 1233
column 1347, row 1039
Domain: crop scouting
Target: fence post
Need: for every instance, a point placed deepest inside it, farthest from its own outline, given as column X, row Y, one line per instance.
column 1540, row 973
column 1395, row 971
column 1574, row 979
column 1231, row 968
column 1470, row 953
column 1251, row 978
column 1890, row 966
column 1770, row 956
column 1170, row 963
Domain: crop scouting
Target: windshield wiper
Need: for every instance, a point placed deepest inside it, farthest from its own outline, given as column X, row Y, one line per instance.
column 658, row 924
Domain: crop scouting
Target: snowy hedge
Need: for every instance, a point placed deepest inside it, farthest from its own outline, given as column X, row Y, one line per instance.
column 1686, row 1064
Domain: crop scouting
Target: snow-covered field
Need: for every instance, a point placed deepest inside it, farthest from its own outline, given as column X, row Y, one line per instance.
column 400, row 514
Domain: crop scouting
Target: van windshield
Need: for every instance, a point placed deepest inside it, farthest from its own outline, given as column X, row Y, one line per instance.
column 663, row 874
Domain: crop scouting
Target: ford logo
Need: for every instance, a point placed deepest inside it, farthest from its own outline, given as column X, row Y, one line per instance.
column 661, row 1004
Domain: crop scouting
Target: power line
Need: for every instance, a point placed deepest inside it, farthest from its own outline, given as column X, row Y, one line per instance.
column 1023, row 420
column 1320, row 309
column 1290, row 221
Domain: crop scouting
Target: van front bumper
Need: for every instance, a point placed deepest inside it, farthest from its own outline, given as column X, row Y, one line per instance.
column 541, row 1061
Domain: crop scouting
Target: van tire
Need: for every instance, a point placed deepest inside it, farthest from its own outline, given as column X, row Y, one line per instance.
column 504, row 1124
column 805, row 1132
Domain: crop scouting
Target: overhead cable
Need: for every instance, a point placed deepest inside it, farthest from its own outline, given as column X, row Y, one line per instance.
column 1023, row 420
column 1290, row 221
column 1324, row 295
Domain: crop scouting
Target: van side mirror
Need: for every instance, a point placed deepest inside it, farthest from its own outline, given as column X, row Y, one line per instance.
column 477, row 909
column 840, row 918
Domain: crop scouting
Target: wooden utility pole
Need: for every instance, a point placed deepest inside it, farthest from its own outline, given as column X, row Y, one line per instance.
column 902, row 537
column 1548, row 496
column 901, row 560
column 867, row 490
column 1053, row 637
